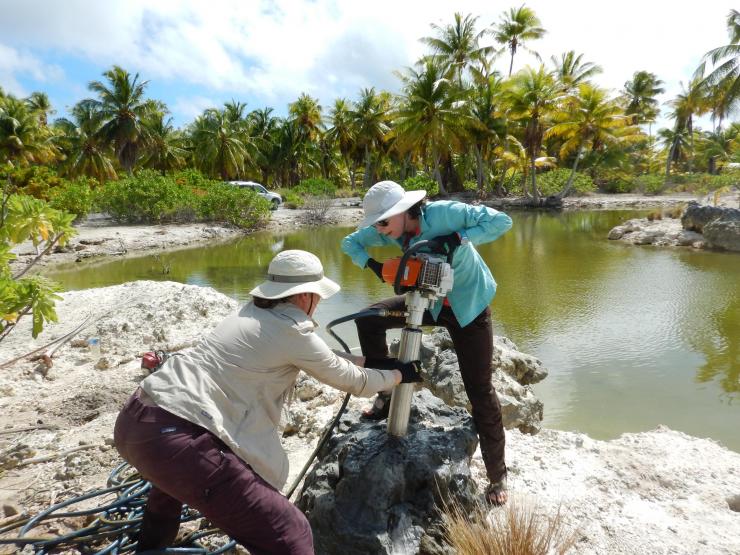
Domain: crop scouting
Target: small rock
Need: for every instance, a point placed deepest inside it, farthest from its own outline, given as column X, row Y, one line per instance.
column 103, row 363
column 10, row 509
column 733, row 501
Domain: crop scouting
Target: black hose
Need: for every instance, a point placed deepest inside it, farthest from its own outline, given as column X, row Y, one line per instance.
column 329, row 429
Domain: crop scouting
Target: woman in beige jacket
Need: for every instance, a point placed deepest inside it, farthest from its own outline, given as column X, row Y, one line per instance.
column 204, row 428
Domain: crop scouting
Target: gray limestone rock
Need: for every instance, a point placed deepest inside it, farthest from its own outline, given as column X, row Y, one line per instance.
column 724, row 232
column 371, row 493
column 513, row 371
column 697, row 216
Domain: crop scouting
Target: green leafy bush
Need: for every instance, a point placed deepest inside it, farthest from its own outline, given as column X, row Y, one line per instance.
column 553, row 181
column 237, row 206
column 75, row 197
column 650, row 184
column 470, row 185
column 421, row 181
column 291, row 199
column 703, row 183
column 36, row 181
column 25, row 217
column 148, row 197
column 316, row 187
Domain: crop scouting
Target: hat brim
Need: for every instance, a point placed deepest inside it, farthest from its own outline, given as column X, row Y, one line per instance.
column 324, row 287
column 409, row 199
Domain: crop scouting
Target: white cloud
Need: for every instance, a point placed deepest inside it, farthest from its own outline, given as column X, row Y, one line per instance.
column 192, row 106
column 14, row 63
column 269, row 52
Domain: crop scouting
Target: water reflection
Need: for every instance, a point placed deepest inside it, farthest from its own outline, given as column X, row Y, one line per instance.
column 634, row 337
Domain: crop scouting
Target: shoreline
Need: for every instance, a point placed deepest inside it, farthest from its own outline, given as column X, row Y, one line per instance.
column 100, row 239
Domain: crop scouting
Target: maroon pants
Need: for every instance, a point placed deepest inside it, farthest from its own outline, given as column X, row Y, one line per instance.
column 474, row 346
column 187, row 464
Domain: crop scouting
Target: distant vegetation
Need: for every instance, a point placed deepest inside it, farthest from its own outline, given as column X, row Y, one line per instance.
column 457, row 122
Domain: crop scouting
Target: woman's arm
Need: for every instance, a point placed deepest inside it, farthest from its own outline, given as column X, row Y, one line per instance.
column 480, row 224
column 310, row 353
column 355, row 244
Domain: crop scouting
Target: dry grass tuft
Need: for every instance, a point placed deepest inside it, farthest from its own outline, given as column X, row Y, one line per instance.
column 317, row 210
column 518, row 528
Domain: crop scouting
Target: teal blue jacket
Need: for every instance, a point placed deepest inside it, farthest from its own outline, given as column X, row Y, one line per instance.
column 473, row 287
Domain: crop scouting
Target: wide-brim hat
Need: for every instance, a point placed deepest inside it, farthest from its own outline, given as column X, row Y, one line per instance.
column 292, row 272
column 386, row 199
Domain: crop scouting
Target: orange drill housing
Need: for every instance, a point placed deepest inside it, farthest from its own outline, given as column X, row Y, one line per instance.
column 411, row 273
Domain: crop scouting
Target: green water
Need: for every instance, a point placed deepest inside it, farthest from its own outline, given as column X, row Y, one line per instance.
column 633, row 337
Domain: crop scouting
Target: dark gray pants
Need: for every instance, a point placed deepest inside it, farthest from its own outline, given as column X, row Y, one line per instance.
column 474, row 346
column 187, row 464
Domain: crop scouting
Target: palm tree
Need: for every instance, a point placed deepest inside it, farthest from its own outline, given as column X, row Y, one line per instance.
column 718, row 146
column 533, row 97
column 123, row 107
column 515, row 28
column 675, row 142
column 40, row 104
column 431, row 116
column 343, row 134
column 83, row 145
column 589, row 119
column 457, row 45
column 725, row 60
column 487, row 123
column 218, row 145
column 305, row 115
column 639, row 95
column 262, row 129
column 165, row 150
column 369, row 118
column 23, row 140
column 571, row 71
column 691, row 102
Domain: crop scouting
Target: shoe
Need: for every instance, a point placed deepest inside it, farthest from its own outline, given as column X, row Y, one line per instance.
column 379, row 409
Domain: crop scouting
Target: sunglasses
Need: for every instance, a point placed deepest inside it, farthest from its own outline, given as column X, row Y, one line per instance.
column 381, row 223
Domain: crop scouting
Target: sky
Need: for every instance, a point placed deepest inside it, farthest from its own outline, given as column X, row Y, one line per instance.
column 200, row 54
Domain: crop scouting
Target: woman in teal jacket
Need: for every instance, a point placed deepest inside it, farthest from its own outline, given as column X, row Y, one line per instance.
column 397, row 217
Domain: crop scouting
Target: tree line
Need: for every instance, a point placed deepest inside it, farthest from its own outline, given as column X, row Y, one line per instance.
column 456, row 120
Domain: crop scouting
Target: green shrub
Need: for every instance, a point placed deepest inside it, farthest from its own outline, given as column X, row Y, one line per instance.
column 470, row 186
column 148, row 197
column 237, row 206
column 316, row 187
column 421, row 181
column 75, row 197
column 650, row 184
column 703, row 183
column 291, row 199
column 36, row 181
column 553, row 181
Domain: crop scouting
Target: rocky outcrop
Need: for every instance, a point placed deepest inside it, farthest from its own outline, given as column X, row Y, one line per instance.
column 513, row 373
column 700, row 227
column 372, row 493
column 724, row 232
column 697, row 216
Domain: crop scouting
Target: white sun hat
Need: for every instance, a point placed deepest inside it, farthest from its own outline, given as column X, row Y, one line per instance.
column 292, row 272
column 386, row 199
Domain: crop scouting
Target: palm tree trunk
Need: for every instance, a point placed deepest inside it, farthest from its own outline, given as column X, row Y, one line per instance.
column 690, row 127
column 670, row 159
column 480, row 174
column 367, row 177
column 438, row 175
column 535, row 192
column 571, row 177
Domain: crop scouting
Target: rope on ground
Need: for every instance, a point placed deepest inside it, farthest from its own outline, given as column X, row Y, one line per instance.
column 109, row 528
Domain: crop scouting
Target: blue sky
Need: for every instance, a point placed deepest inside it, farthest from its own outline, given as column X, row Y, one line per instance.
column 198, row 54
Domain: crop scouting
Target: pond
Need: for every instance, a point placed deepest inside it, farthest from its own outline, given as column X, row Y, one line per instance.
column 633, row 337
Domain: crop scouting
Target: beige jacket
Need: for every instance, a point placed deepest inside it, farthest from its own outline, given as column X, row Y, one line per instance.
column 236, row 381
